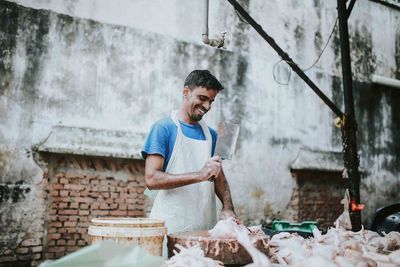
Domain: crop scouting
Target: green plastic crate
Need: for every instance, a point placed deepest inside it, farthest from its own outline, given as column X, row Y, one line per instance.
column 306, row 226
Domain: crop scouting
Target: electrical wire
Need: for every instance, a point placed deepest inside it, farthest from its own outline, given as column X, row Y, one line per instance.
column 323, row 50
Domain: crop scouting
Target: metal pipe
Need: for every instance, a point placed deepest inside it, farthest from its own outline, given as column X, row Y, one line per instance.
column 349, row 128
column 385, row 81
column 219, row 42
column 205, row 22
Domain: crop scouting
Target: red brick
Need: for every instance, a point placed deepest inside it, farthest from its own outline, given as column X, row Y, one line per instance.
column 122, row 207
column 100, row 212
column 105, row 194
column 55, row 224
column 54, row 193
column 119, row 200
column 22, row 250
column 74, row 194
column 63, row 205
column 82, row 243
column 72, row 249
column 57, row 186
column 56, row 249
column 54, row 236
column 69, row 224
column 84, row 218
column 94, row 182
column 84, row 193
column 95, row 206
column 74, row 205
column 37, row 249
column 74, row 187
column 64, row 180
column 135, row 213
column 52, row 230
column 118, row 213
column 84, row 224
column 70, row 233
column 104, row 206
column 94, row 194
column 61, row 242
column 73, row 218
column 82, row 230
column 83, row 206
column 113, row 206
column 36, row 256
column 82, row 199
column 68, row 212
column 122, row 189
column 83, row 212
column 71, row 242
column 60, row 175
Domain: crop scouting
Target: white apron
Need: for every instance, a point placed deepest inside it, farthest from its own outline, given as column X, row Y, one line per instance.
column 191, row 207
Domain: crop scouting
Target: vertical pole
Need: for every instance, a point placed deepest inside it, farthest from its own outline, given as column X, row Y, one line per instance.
column 349, row 129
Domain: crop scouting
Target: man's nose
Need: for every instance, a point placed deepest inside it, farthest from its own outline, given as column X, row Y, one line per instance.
column 207, row 105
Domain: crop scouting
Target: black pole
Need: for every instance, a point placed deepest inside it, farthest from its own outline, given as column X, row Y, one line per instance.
column 285, row 57
column 349, row 128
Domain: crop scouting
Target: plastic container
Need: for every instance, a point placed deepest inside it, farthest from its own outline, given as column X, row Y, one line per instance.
column 147, row 233
column 306, row 226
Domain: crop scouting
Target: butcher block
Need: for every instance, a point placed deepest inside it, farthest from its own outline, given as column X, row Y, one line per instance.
column 228, row 251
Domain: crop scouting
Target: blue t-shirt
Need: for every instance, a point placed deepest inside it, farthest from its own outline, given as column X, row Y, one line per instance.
column 162, row 136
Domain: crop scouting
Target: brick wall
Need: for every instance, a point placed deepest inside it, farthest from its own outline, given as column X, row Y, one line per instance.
column 82, row 188
column 317, row 197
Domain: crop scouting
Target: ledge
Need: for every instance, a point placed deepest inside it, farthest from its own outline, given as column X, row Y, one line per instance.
column 93, row 142
column 307, row 159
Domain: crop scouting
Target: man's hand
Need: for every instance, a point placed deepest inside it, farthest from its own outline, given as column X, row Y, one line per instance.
column 226, row 213
column 212, row 168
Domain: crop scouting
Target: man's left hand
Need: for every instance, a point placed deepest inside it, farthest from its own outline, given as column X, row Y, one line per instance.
column 226, row 213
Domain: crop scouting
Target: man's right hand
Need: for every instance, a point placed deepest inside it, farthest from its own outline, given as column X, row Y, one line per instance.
column 212, row 168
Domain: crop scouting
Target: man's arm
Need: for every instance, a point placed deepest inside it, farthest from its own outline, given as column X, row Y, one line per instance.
column 155, row 178
column 224, row 194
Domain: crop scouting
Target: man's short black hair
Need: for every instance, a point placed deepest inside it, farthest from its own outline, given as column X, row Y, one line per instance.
column 202, row 78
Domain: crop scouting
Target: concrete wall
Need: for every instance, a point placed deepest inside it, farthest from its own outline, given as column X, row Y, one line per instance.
column 120, row 65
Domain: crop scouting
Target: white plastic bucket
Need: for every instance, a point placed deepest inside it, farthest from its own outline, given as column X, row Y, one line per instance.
column 145, row 232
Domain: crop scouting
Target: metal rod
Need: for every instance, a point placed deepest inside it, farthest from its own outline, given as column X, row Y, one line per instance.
column 349, row 129
column 350, row 8
column 285, row 57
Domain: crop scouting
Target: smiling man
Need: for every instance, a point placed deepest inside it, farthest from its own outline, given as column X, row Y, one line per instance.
column 180, row 163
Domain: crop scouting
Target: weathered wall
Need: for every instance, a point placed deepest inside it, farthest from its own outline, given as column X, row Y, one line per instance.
column 122, row 71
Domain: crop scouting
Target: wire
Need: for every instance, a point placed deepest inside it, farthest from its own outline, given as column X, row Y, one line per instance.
column 240, row 17
column 326, row 44
column 273, row 73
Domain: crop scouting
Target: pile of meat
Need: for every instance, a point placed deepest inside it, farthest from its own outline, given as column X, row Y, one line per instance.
column 337, row 247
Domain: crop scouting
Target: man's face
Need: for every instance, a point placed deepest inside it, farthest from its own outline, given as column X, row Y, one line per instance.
column 198, row 102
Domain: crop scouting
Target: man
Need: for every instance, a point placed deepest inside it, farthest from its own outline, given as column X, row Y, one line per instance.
column 179, row 162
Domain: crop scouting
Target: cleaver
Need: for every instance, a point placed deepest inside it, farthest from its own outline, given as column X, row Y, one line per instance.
column 226, row 142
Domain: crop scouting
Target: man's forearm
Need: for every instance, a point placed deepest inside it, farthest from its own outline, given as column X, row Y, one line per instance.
column 163, row 180
column 223, row 192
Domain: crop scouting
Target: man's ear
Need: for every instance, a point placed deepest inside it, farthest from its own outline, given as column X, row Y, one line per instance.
column 186, row 91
